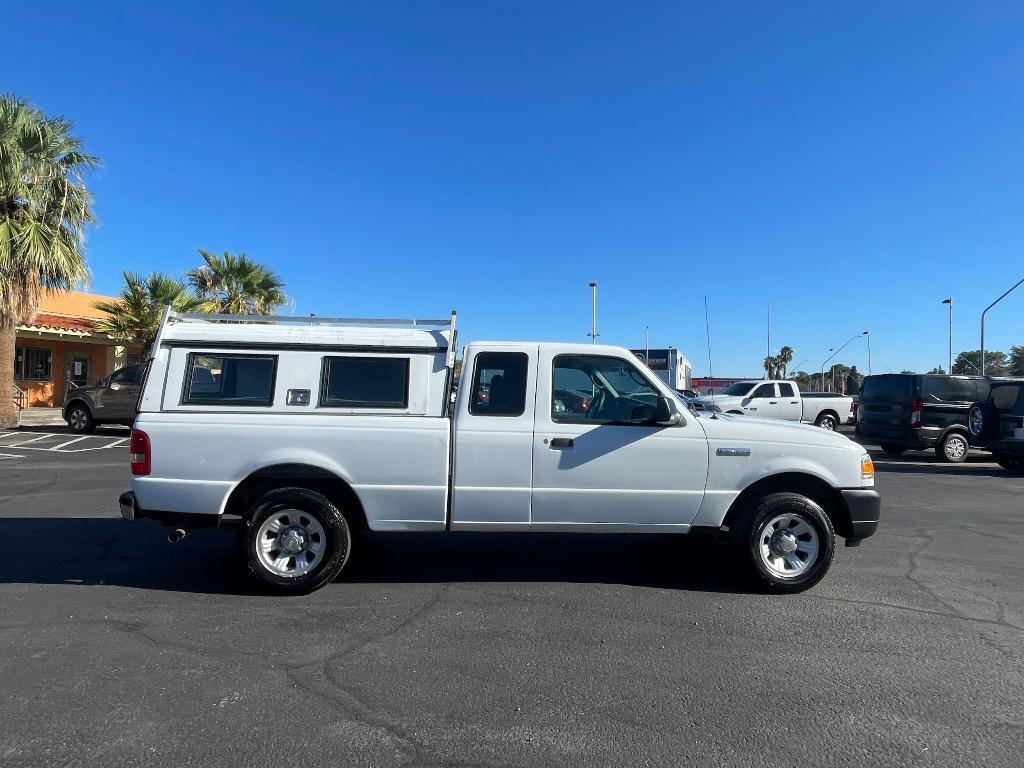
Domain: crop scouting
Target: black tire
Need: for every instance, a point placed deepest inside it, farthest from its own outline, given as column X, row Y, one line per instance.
column 893, row 450
column 983, row 420
column 80, row 420
column 750, row 538
column 1011, row 463
column 827, row 420
column 953, row 448
column 306, row 506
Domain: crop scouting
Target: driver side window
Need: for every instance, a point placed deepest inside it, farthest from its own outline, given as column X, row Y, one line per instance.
column 765, row 390
column 602, row 390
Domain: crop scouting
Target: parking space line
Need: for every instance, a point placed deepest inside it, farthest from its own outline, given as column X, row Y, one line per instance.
column 11, row 456
column 69, row 442
column 34, row 439
column 117, row 442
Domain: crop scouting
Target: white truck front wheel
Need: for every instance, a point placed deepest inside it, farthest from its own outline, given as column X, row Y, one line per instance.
column 788, row 541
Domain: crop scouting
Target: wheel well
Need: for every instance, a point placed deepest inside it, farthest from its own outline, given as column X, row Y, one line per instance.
column 827, row 412
column 296, row 475
column 827, row 497
column 76, row 401
column 959, row 428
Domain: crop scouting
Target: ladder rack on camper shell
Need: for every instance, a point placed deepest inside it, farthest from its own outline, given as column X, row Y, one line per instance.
column 171, row 317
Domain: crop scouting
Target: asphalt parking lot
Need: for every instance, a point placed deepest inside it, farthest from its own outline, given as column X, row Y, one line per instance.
column 507, row 650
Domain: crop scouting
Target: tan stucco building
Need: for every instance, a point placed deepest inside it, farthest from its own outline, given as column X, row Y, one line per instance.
column 60, row 346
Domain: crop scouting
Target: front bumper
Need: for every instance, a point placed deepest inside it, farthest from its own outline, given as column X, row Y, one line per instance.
column 865, row 508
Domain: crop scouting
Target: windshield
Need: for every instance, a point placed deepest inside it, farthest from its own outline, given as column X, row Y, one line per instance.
column 739, row 389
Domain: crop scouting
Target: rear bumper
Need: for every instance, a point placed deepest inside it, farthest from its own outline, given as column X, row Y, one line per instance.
column 131, row 511
column 865, row 508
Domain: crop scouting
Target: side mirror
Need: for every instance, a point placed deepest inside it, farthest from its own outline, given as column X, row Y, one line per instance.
column 666, row 414
column 101, row 382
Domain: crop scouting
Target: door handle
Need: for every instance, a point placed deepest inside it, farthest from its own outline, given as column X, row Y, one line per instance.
column 561, row 442
column 794, row 402
column 773, row 402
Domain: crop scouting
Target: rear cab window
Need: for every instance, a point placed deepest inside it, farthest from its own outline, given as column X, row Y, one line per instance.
column 1008, row 399
column 217, row 379
column 499, row 384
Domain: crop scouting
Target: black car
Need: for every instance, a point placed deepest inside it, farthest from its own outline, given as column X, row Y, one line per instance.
column 919, row 411
column 997, row 423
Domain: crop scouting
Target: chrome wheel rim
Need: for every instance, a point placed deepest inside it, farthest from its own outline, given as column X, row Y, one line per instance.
column 78, row 419
column 828, row 423
column 788, row 546
column 290, row 543
column 974, row 421
column 956, row 447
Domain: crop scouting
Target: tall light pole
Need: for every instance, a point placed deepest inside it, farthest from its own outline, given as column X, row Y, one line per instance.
column 949, row 301
column 647, row 345
column 593, row 322
column 823, row 369
column 868, row 334
column 983, row 322
column 856, row 335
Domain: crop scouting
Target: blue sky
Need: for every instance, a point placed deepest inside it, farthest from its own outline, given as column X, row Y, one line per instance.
column 854, row 164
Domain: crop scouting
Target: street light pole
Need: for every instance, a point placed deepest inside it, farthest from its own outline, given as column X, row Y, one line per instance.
column 823, row 370
column 647, row 345
column 868, row 334
column 983, row 322
column 949, row 301
column 593, row 322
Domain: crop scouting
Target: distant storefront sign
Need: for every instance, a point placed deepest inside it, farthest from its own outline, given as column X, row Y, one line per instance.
column 656, row 359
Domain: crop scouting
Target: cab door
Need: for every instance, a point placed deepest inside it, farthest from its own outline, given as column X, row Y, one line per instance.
column 599, row 461
column 790, row 407
column 493, row 446
column 121, row 394
column 763, row 402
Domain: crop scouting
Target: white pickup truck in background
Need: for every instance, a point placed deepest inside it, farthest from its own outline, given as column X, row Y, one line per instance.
column 300, row 432
column 780, row 399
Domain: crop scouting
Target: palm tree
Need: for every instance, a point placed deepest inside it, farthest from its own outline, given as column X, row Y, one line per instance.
column 784, row 358
column 236, row 285
column 44, row 210
column 135, row 317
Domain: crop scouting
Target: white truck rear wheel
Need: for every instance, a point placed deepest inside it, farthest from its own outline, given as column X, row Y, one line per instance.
column 295, row 540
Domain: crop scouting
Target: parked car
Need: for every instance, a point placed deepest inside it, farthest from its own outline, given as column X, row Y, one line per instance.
column 781, row 400
column 997, row 423
column 688, row 394
column 316, row 431
column 111, row 400
column 920, row 411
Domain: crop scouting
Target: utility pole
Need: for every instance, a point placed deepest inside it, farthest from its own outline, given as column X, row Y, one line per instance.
column 593, row 323
column 767, row 373
column 868, row 334
column 949, row 301
column 647, row 345
column 983, row 322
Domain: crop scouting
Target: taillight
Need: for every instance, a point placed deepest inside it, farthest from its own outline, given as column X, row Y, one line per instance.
column 916, row 411
column 140, row 453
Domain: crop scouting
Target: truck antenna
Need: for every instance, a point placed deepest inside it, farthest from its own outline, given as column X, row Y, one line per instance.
column 707, row 332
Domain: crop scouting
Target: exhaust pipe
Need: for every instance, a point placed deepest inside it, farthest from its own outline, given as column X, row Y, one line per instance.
column 177, row 535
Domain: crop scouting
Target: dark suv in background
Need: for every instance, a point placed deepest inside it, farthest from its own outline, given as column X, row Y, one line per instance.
column 920, row 411
column 110, row 400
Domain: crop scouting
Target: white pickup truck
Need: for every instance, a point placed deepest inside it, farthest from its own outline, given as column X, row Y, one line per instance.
column 303, row 431
column 780, row 400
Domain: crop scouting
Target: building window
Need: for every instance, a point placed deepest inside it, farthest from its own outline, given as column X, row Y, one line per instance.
column 365, row 382
column 33, row 364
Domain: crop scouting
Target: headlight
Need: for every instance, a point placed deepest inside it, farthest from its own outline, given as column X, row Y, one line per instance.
column 867, row 468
